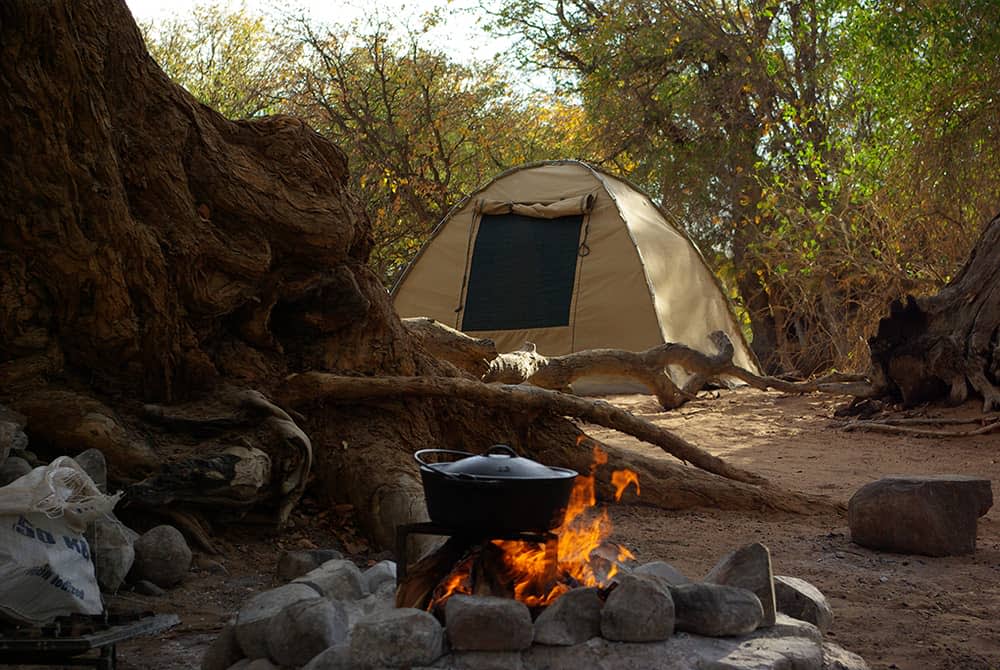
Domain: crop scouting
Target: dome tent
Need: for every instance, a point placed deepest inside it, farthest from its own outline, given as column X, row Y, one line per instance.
column 569, row 257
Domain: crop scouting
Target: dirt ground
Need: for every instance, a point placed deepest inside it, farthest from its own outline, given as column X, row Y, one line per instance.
column 899, row 612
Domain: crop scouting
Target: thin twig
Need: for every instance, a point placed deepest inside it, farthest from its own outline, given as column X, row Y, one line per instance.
column 884, row 427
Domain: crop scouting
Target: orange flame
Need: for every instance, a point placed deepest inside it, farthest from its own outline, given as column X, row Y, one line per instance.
column 540, row 573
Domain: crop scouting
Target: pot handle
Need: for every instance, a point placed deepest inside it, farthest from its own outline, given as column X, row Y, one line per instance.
column 502, row 449
column 417, row 458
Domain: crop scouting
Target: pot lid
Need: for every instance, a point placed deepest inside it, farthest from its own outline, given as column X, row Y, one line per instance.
column 499, row 462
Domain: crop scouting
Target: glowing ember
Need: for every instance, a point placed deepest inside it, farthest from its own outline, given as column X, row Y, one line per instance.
column 541, row 573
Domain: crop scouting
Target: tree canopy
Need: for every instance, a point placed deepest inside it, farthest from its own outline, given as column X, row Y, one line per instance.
column 826, row 155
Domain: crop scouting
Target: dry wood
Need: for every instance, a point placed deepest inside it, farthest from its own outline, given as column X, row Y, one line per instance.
column 941, row 345
column 314, row 386
column 649, row 368
column 895, row 429
column 466, row 353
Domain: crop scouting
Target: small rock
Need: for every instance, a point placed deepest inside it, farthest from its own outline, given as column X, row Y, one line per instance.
column 144, row 587
column 399, row 638
column 304, row 629
column 715, row 610
column 838, row 658
column 639, row 609
column 162, row 556
column 240, row 664
column 94, row 464
column 13, row 468
column 261, row 664
column 933, row 515
column 487, row 623
column 383, row 572
column 748, row 568
column 337, row 657
column 255, row 616
column 799, row 599
column 223, row 652
column 663, row 570
column 11, row 437
column 485, row 660
column 573, row 618
column 294, row 564
column 338, row 579
column 111, row 551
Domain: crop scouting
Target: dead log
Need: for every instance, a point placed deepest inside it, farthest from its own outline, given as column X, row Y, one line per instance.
column 317, row 386
column 941, row 345
column 649, row 368
column 445, row 343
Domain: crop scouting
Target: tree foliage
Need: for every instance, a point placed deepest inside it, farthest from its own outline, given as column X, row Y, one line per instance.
column 801, row 141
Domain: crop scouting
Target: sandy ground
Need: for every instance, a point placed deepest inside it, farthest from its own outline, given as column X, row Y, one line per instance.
column 900, row 612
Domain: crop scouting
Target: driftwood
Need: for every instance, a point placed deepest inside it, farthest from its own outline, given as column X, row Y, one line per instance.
column 445, row 343
column 650, row 369
column 939, row 346
column 313, row 386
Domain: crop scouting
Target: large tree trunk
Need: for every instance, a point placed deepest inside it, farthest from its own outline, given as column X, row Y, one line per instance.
column 155, row 251
column 941, row 345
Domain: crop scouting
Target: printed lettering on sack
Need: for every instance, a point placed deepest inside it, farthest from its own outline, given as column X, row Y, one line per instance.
column 29, row 530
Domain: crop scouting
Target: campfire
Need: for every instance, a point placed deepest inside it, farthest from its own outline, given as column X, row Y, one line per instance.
column 534, row 571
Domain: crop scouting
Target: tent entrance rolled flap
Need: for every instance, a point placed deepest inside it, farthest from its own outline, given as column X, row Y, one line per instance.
column 641, row 283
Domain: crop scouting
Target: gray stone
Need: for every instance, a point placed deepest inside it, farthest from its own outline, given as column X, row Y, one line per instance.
column 304, row 629
column 680, row 652
column 573, row 618
column 294, row 564
column 715, row 610
column 337, row 657
column 337, row 579
column 162, row 556
column 13, row 468
column 398, row 638
column 95, row 465
column 240, row 664
column 223, row 652
column 261, row 664
column 487, row 623
column 144, row 587
column 748, row 568
column 933, row 515
column 255, row 617
column 485, row 660
column 383, row 601
column 639, row 609
column 11, row 437
column 799, row 599
column 785, row 626
column 111, row 551
column 383, row 572
column 838, row 658
column 663, row 570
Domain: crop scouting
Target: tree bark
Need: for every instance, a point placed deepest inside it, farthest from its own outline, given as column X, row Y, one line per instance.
column 941, row 345
column 152, row 250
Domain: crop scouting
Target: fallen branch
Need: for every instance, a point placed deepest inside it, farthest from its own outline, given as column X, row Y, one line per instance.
column 895, row 427
column 443, row 342
column 650, row 367
column 315, row 386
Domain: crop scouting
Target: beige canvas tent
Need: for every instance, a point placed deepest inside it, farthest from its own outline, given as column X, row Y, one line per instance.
column 571, row 258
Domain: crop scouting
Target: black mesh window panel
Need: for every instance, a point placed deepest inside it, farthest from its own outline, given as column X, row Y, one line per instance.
column 522, row 272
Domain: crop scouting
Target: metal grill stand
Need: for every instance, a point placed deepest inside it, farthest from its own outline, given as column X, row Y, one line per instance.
column 430, row 528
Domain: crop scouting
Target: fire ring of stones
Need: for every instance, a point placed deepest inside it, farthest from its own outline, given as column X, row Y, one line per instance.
column 336, row 617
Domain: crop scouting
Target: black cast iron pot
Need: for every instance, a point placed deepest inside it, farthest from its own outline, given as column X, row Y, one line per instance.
column 498, row 491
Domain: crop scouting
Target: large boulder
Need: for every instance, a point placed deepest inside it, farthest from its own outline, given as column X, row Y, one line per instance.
column 487, row 623
column 715, row 610
column 748, row 568
column 800, row 599
column 162, row 556
column 639, row 609
column 933, row 515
